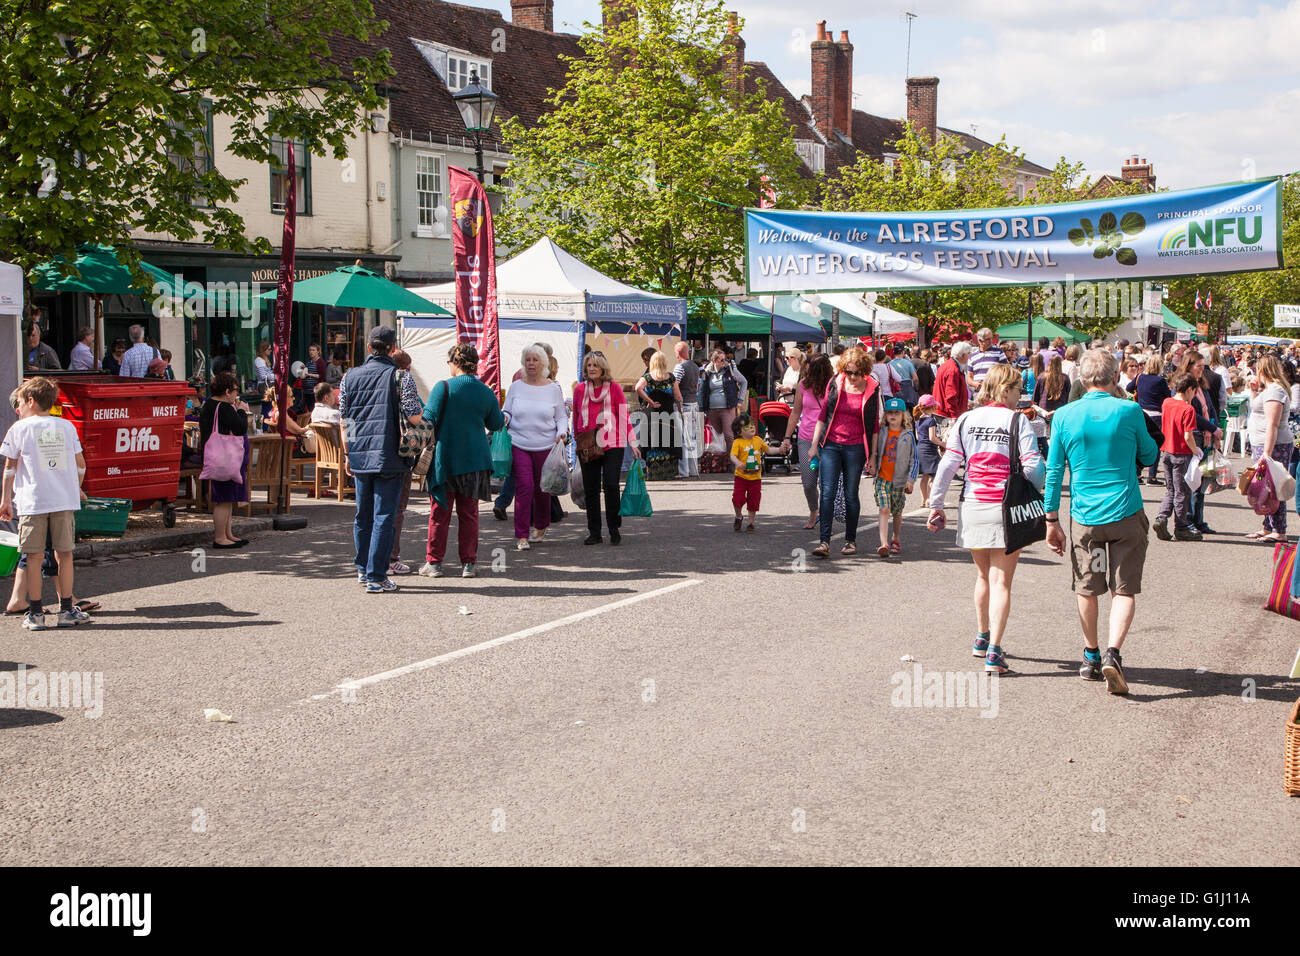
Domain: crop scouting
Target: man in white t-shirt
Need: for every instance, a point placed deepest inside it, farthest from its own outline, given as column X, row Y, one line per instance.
column 44, row 467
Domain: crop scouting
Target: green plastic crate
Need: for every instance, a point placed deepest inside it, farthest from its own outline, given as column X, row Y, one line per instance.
column 8, row 553
column 103, row 516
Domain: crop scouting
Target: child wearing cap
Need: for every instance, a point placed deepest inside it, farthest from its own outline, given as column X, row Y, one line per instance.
column 895, row 464
column 928, row 447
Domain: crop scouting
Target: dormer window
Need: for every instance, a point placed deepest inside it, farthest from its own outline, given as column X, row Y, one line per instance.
column 459, row 68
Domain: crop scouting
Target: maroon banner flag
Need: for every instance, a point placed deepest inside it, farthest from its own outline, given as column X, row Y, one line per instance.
column 474, row 260
column 284, row 299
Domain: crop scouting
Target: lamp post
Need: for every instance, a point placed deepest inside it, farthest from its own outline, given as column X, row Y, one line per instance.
column 476, row 105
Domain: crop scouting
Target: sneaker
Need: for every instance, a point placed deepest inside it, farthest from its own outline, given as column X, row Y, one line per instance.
column 74, row 616
column 397, row 567
column 1090, row 670
column 386, row 586
column 499, row 513
column 537, row 535
column 1162, row 529
column 361, row 578
column 1187, row 534
column 468, row 571
column 431, row 570
column 1112, row 668
column 995, row 662
column 981, row 647
column 34, row 621
column 521, row 544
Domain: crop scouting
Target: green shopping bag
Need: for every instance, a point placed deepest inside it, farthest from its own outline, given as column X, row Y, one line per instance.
column 636, row 499
column 503, row 454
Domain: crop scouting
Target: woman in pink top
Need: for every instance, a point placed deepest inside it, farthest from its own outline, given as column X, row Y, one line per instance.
column 842, row 445
column 600, row 413
column 809, row 396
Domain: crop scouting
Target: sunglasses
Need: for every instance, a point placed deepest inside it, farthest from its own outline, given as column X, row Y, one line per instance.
column 855, row 372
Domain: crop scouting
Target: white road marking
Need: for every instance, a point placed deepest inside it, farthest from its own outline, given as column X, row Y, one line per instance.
column 354, row 685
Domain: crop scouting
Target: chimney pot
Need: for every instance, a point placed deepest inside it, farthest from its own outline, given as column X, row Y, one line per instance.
column 844, row 36
column 821, row 30
column 533, row 14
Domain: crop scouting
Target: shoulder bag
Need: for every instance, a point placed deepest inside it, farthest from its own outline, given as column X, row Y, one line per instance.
column 1023, row 519
column 223, row 455
column 413, row 439
column 588, row 442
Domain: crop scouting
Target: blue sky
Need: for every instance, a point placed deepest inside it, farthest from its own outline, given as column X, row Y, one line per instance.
column 1207, row 92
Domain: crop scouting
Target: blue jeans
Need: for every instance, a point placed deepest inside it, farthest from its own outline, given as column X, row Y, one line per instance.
column 372, row 531
column 836, row 460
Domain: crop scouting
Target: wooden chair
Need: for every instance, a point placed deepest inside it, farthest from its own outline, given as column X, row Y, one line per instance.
column 265, row 470
column 329, row 459
column 190, row 487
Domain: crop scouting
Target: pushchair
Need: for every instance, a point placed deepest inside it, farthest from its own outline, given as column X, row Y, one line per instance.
column 775, row 416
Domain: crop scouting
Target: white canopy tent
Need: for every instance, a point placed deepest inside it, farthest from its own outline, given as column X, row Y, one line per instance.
column 883, row 321
column 11, row 334
column 544, row 294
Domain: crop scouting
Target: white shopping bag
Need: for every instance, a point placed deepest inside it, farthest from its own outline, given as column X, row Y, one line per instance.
column 1192, row 475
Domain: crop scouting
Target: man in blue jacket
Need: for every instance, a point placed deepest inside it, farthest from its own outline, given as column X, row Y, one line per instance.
column 1104, row 439
column 370, row 408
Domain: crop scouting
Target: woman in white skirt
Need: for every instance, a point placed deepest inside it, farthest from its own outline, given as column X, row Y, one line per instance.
column 982, row 438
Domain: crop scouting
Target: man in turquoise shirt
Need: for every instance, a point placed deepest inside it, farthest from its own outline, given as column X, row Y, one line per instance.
column 1104, row 439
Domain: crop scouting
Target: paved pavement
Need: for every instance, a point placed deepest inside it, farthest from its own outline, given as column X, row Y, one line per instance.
column 712, row 698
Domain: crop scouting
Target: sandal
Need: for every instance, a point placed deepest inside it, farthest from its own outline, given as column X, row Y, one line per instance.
column 822, row 550
column 882, row 551
column 812, row 523
column 895, row 547
column 89, row 606
column 1257, row 535
column 849, row 548
column 1274, row 538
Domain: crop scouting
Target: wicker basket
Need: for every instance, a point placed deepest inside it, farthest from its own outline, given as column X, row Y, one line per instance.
column 1291, row 753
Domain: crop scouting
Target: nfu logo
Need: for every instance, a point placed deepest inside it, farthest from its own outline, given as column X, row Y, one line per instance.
column 1206, row 233
column 136, row 439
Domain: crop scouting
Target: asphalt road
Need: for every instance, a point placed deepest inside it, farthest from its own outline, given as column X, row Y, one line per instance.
column 726, row 700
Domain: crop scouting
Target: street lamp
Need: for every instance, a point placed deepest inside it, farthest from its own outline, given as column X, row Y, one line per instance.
column 476, row 105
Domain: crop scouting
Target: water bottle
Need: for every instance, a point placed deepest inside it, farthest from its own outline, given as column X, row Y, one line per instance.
column 812, row 464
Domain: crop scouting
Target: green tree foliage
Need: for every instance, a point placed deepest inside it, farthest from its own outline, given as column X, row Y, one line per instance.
column 95, row 95
column 641, row 156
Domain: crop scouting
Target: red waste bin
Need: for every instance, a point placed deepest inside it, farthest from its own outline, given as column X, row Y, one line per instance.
column 131, row 431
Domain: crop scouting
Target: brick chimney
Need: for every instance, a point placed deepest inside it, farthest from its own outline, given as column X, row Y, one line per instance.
column 824, row 56
column 1143, row 172
column 923, row 106
column 734, row 66
column 533, row 14
column 842, row 96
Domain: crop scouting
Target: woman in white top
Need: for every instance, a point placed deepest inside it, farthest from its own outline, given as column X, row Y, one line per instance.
column 1270, row 434
column 785, row 392
column 982, row 439
column 536, row 419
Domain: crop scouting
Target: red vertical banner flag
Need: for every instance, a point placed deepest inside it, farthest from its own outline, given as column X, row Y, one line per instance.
column 474, row 262
column 284, row 298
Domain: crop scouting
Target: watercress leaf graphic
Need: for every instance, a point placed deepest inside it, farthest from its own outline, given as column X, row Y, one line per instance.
column 1107, row 222
column 1086, row 225
column 1133, row 223
column 1076, row 236
column 1126, row 257
column 1101, row 252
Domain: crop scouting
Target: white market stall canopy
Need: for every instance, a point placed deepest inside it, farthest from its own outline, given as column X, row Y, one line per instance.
column 1257, row 340
column 544, row 294
column 883, row 321
column 11, row 317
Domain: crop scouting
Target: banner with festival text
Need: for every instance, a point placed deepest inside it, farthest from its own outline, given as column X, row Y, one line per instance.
column 475, row 267
column 1230, row 228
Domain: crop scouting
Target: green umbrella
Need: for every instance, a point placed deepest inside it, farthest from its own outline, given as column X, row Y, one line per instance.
column 353, row 287
column 100, row 273
column 1016, row 331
